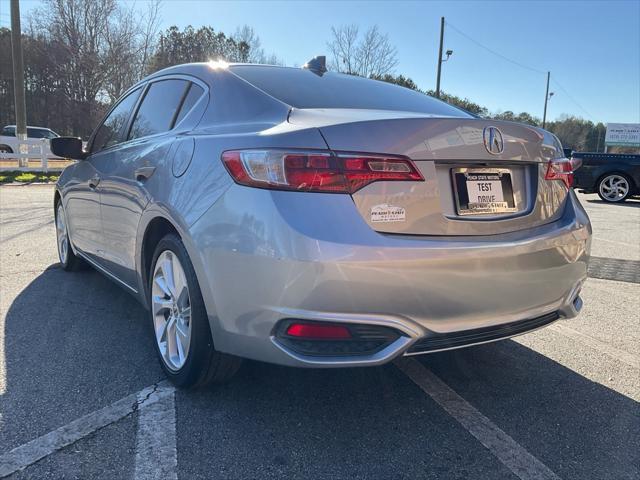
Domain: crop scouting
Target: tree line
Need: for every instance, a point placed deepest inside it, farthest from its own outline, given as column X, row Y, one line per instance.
column 81, row 55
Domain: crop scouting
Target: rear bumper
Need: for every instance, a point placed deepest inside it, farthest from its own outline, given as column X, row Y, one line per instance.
column 318, row 260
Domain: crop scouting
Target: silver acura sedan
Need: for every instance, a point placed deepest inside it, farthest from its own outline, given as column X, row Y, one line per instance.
column 314, row 219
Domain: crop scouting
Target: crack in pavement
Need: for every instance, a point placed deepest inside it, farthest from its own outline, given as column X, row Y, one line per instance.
column 31, row 452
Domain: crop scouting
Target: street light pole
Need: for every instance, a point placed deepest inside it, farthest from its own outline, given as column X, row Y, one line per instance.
column 440, row 57
column 18, row 77
column 546, row 100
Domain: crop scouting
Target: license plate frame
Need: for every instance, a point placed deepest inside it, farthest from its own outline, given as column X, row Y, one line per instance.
column 464, row 207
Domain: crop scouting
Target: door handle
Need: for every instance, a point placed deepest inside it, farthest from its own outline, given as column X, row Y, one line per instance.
column 95, row 180
column 143, row 173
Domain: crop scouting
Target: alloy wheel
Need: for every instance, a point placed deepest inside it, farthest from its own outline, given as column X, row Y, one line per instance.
column 171, row 306
column 61, row 235
column 614, row 188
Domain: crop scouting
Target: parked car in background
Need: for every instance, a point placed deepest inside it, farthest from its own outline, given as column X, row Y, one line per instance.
column 315, row 219
column 613, row 176
column 38, row 141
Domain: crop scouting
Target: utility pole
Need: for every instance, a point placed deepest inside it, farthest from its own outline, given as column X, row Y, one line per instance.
column 599, row 138
column 18, row 77
column 440, row 57
column 546, row 100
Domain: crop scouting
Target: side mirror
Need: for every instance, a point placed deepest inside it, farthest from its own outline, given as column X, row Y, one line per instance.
column 68, row 147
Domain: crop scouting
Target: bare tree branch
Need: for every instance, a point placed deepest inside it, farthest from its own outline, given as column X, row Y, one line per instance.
column 370, row 56
column 257, row 54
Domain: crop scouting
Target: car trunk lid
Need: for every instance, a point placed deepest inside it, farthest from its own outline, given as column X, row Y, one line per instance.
column 461, row 175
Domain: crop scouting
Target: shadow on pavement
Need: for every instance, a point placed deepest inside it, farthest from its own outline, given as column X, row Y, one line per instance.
column 634, row 203
column 74, row 343
column 375, row 423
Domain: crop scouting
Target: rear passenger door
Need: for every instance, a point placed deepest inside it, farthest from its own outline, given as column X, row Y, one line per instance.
column 140, row 167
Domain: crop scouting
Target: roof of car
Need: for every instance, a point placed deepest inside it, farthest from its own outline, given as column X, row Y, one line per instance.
column 28, row 126
column 313, row 89
column 199, row 67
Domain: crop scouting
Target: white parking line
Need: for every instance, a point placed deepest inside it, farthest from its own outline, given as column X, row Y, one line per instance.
column 609, row 350
column 29, row 453
column 156, row 455
column 512, row 455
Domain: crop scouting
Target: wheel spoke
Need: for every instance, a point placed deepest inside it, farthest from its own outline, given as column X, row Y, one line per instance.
column 160, row 304
column 183, row 298
column 170, row 336
column 167, row 273
column 182, row 342
column 163, row 332
column 179, row 280
column 160, row 281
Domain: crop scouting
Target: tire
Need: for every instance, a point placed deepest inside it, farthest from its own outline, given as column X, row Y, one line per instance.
column 180, row 323
column 614, row 187
column 68, row 260
column 5, row 149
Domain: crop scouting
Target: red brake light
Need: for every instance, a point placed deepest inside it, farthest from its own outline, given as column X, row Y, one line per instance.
column 562, row 169
column 318, row 331
column 315, row 171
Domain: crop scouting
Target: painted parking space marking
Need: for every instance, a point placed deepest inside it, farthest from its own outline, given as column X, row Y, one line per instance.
column 602, row 347
column 156, row 454
column 511, row 454
column 41, row 447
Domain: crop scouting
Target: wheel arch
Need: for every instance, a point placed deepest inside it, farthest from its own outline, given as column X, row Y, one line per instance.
column 157, row 220
column 155, row 229
column 7, row 147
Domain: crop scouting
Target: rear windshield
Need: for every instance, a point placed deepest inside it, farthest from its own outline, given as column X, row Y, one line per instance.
column 302, row 88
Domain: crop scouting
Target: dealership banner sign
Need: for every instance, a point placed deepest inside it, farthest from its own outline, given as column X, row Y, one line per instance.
column 623, row 135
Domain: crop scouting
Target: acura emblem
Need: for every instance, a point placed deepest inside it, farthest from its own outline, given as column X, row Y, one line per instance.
column 493, row 140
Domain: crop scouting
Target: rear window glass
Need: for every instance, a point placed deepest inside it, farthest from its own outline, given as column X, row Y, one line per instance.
column 31, row 132
column 159, row 108
column 195, row 92
column 40, row 133
column 302, row 88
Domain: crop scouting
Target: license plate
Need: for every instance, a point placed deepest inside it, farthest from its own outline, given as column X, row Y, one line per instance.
column 483, row 191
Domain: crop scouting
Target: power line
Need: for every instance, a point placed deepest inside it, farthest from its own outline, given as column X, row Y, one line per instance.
column 510, row 60
column 521, row 65
column 572, row 99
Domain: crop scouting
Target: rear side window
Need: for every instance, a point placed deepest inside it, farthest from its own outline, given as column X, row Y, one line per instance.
column 39, row 133
column 302, row 88
column 159, row 108
column 110, row 132
column 193, row 95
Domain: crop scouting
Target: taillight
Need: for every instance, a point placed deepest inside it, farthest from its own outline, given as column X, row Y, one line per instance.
column 315, row 171
column 562, row 169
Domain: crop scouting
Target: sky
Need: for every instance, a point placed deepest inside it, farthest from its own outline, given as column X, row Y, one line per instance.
column 591, row 48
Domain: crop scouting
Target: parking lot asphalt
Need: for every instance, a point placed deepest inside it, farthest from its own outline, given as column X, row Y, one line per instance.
column 81, row 392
